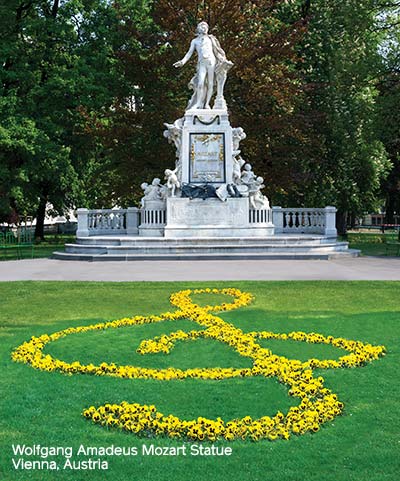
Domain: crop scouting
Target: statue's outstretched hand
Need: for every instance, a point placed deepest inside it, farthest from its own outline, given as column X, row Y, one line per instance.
column 178, row 64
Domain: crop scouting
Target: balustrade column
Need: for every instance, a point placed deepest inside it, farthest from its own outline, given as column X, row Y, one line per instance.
column 132, row 221
column 277, row 219
column 330, row 221
column 83, row 223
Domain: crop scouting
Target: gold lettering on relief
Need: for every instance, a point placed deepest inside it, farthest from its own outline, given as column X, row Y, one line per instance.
column 213, row 155
column 206, row 138
column 207, row 157
column 221, row 152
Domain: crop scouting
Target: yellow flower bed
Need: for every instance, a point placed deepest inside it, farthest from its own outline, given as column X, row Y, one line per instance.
column 317, row 403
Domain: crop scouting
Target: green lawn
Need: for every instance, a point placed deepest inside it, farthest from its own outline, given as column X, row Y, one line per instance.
column 372, row 243
column 45, row 408
column 39, row 250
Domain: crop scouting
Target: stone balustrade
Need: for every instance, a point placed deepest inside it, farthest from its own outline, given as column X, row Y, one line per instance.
column 151, row 221
column 107, row 222
column 260, row 216
column 153, row 217
column 305, row 220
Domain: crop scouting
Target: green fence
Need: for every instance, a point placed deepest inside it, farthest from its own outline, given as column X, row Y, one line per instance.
column 392, row 242
column 17, row 243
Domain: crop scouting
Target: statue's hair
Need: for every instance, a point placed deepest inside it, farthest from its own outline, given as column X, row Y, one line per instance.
column 201, row 23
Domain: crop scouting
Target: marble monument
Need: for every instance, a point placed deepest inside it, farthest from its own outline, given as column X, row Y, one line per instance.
column 211, row 189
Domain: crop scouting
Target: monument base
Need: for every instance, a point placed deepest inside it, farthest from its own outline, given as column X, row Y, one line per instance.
column 213, row 218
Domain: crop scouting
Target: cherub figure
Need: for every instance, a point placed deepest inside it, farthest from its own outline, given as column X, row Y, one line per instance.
column 238, row 135
column 256, row 198
column 238, row 163
column 154, row 191
column 172, row 181
column 247, row 175
column 174, row 134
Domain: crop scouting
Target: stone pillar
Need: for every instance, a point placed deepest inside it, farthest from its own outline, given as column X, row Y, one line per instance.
column 277, row 219
column 83, row 223
column 132, row 221
column 330, row 221
column 153, row 216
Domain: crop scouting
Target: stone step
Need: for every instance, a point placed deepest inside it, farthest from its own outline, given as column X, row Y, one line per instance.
column 243, row 241
column 207, row 256
column 210, row 248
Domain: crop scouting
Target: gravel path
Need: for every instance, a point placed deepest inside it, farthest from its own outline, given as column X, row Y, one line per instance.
column 364, row 268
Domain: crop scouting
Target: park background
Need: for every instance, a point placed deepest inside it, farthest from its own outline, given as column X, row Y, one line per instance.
column 87, row 85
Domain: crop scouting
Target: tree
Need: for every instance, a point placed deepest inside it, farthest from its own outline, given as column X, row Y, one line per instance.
column 388, row 123
column 341, row 68
column 58, row 66
column 87, row 85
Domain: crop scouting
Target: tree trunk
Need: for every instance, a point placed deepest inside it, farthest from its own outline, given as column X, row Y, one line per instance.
column 40, row 215
column 341, row 222
column 390, row 207
column 352, row 220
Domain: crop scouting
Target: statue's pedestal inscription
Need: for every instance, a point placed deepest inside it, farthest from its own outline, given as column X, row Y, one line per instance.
column 206, row 153
column 207, row 158
column 212, row 218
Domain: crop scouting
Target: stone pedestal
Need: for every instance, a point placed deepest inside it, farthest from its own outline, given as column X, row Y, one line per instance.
column 212, row 218
column 206, row 149
column 152, row 219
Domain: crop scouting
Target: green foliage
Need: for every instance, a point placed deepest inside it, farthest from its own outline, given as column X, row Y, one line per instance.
column 389, row 131
column 389, row 104
column 59, row 67
column 341, row 67
column 303, row 86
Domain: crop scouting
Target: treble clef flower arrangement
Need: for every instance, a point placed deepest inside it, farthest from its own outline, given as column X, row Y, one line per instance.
column 317, row 404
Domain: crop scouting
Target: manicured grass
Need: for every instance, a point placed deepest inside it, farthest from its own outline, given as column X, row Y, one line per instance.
column 45, row 408
column 372, row 244
column 39, row 250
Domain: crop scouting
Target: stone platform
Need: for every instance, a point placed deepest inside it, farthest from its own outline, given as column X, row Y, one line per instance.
column 285, row 246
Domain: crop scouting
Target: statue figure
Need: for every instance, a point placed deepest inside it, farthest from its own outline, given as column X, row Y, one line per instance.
column 154, row 191
column 174, row 134
column 238, row 135
column 172, row 181
column 212, row 67
column 238, row 163
column 145, row 187
column 256, row 198
column 247, row 175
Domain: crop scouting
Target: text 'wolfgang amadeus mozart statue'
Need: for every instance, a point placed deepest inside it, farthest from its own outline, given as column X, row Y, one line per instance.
column 212, row 67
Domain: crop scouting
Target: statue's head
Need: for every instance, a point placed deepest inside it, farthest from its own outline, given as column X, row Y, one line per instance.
column 202, row 28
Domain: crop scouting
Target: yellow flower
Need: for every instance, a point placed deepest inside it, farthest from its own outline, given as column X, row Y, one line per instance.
column 317, row 404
